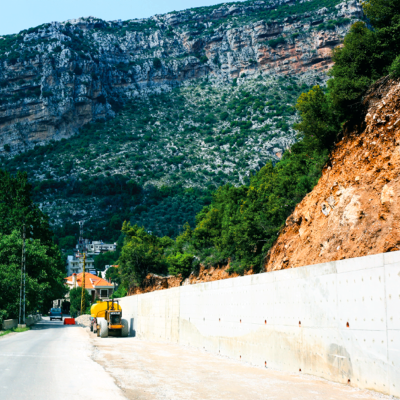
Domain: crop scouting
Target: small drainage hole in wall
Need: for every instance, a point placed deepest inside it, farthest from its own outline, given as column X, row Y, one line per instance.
column 348, row 380
column 265, row 364
column 240, row 321
column 240, row 357
column 265, row 322
column 220, row 320
column 299, row 323
column 299, row 369
column 347, row 325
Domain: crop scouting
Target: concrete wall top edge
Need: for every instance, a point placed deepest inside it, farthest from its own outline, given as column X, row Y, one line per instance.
column 358, row 263
column 161, row 292
column 392, row 257
column 305, row 272
column 308, row 271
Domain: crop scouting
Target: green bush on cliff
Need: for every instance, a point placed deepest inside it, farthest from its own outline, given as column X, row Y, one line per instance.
column 276, row 42
column 367, row 55
column 180, row 264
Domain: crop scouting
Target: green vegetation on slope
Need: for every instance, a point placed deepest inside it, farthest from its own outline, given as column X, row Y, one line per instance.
column 242, row 223
column 367, row 55
column 157, row 162
column 272, row 13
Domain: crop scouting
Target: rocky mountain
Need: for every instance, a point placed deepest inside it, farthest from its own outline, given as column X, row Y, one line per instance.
column 354, row 209
column 198, row 136
column 57, row 77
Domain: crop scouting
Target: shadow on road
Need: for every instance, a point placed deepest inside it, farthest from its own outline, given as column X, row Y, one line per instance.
column 46, row 324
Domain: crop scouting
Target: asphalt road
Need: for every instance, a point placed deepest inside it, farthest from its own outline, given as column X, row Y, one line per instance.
column 56, row 362
column 52, row 362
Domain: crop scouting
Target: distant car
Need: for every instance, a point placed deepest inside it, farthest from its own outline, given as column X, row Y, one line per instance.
column 55, row 313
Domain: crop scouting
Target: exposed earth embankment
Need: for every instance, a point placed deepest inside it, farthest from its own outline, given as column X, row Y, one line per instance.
column 154, row 282
column 354, row 209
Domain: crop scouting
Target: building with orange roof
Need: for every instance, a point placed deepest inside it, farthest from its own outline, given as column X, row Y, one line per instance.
column 97, row 287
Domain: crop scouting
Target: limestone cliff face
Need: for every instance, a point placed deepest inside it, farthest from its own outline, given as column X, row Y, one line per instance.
column 355, row 208
column 59, row 76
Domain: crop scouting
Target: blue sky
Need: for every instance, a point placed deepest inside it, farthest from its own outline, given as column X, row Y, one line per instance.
column 17, row 15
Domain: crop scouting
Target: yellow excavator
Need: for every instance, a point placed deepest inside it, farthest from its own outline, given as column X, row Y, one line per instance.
column 107, row 318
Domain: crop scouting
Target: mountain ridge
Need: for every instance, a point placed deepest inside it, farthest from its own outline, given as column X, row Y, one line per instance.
column 57, row 77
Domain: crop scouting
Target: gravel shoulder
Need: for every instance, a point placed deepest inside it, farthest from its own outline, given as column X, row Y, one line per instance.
column 149, row 370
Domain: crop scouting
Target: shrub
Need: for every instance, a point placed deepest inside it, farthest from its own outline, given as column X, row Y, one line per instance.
column 203, row 59
column 276, row 42
column 180, row 264
column 120, row 292
column 395, row 67
column 157, row 63
column 223, row 116
column 78, row 70
column 67, row 242
column 47, row 93
column 210, row 119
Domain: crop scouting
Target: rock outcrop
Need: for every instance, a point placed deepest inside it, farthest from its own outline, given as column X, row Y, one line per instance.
column 355, row 208
column 57, row 77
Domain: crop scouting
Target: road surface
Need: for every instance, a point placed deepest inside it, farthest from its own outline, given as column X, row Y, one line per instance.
column 56, row 362
column 52, row 362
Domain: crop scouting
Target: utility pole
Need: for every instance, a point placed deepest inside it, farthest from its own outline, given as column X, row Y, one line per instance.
column 81, row 245
column 82, row 248
column 21, row 319
column 83, row 285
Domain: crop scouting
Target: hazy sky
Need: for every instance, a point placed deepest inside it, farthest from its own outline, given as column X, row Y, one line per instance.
column 17, row 15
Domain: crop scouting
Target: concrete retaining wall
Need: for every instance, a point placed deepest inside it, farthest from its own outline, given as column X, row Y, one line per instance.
column 32, row 319
column 13, row 323
column 338, row 320
column 9, row 324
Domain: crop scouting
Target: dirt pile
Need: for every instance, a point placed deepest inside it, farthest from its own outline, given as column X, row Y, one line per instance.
column 355, row 208
column 83, row 320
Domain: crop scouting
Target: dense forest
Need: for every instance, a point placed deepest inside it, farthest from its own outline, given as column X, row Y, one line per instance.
column 241, row 223
column 44, row 263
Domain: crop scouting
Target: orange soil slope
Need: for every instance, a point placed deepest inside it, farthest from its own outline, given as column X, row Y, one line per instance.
column 154, row 282
column 355, row 208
